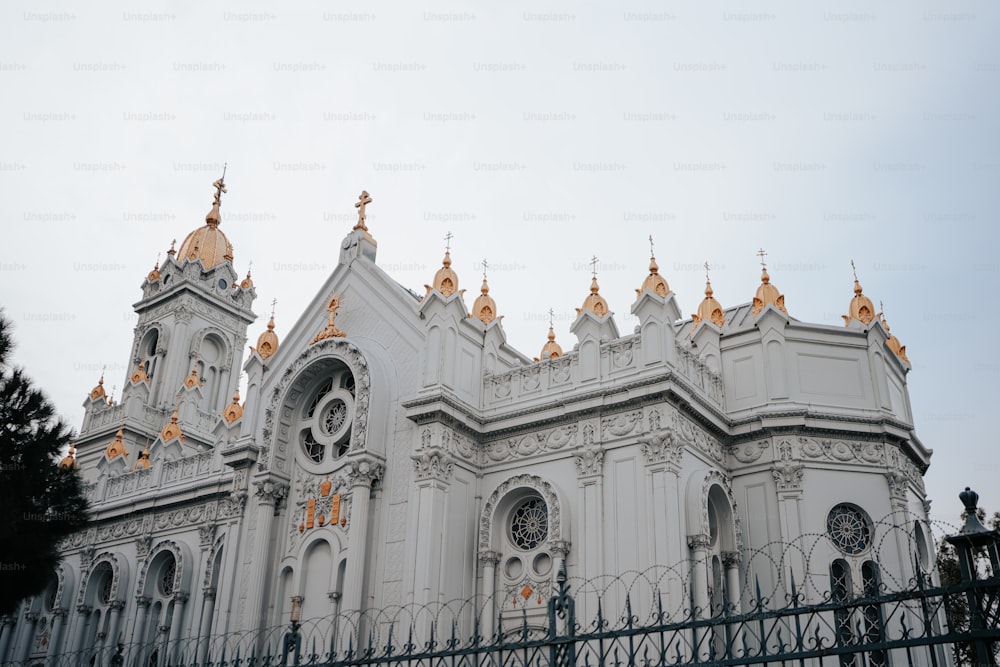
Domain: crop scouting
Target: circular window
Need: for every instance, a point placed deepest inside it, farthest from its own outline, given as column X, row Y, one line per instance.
column 334, row 417
column 529, row 525
column 849, row 528
column 167, row 575
column 324, row 429
column 514, row 567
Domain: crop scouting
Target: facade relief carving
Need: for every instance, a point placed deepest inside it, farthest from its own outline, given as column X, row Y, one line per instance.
column 589, row 462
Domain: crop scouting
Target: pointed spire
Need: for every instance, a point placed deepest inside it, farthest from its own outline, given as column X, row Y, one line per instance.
column 767, row 294
column 98, row 391
column 710, row 310
column 445, row 280
column 551, row 349
column 484, row 308
column 267, row 343
column 330, row 330
column 595, row 303
column 654, row 282
column 213, row 218
column 861, row 307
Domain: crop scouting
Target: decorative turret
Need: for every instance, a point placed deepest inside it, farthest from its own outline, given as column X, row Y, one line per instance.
column 172, row 430
column 767, row 294
column 248, row 281
column 710, row 310
column 861, row 308
column 69, row 462
column 330, row 330
column 98, row 391
column 234, row 410
column 594, row 302
column 898, row 348
column 267, row 343
column 484, row 308
column 551, row 349
column 192, row 380
column 116, row 447
column 139, row 375
column 654, row 282
column 154, row 275
column 445, row 280
column 208, row 243
column 142, row 463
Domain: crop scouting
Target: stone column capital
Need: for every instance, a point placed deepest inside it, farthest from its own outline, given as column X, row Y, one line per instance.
column 730, row 559
column 365, row 470
column 699, row 542
column 489, row 558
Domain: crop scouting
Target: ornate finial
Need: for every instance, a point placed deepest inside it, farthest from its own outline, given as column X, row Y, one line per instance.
column 654, row 282
column 970, row 499
column 767, row 293
column 898, row 348
column 447, row 242
column 651, row 253
column 234, row 410
column 274, row 302
column 172, row 430
column 707, row 279
column 551, row 349
column 248, row 281
column 762, row 255
column 139, row 375
column 484, row 269
column 267, row 342
column 594, row 302
column 363, row 200
column 98, row 391
column 552, row 316
column 855, row 270
column 593, row 266
column 213, row 218
column 710, row 309
column 861, row 307
column 330, row 330
column 484, row 307
column 445, row 279
column 116, row 447
column 172, row 252
column 111, row 397
column 193, row 380
column 69, row 462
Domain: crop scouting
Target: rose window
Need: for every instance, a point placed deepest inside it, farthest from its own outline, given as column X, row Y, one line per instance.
column 529, row 525
column 849, row 529
column 324, row 429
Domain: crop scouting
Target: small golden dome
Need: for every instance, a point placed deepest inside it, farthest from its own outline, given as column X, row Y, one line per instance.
column 192, row 380
column 234, row 410
column 208, row 243
column 324, row 487
column 142, row 463
column 654, row 282
column 445, row 280
column 330, row 330
column 594, row 302
column 117, row 446
column 551, row 349
column 710, row 310
column 898, row 348
column 172, row 430
column 767, row 294
column 484, row 308
column 98, row 391
column 861, row 308
column 267, row 343
column 154, row 275
column 247, row 282
column 140, row 374
column 69, row 462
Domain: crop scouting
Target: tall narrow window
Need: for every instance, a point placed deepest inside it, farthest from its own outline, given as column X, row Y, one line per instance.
column 840, row 591
column 873, row 614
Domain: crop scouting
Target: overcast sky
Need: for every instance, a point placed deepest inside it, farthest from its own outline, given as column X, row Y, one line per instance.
column 539, row 134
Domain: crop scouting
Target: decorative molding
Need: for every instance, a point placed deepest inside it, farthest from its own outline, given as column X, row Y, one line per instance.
column 730, row 559
column 788, row 477
column 206, row 535
column 432, row 464
column 542, row 487
column 364, row 471
column 750, row 451
column 662, row 448
column 489, row 558
column 268, row 492
column 622, row 424
column 699, row 542
column 589, row 462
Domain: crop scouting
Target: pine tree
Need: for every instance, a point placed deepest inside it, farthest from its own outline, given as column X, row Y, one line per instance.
column 41, row 503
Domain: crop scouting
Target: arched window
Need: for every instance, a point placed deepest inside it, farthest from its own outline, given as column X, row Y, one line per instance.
column 147, row 352
column 849, row 529
column 841, row 588
column 525, row 568
column 874, row 622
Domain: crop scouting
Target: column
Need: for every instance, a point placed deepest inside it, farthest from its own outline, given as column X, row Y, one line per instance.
column 114, row 621
column 488, row 560
column 205, row 628
column 432, row 469
column 82, row 628
column 6, row 631
column 364, row 471
column 30, row 618
column 135, row 649
column 787, row 477
column 699, row 585
column 175, row 627
column 55, row 639
column 268, row 494
column 731, row 563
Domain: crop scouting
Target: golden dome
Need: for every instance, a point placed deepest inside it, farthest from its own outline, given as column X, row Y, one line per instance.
column 98, row 391
column 140, row 374
column 247, row 282
column 142, row 463
column 154, row 275
column 172, row 430
column 116, row 447
column 69, row 462
column 330, row 330
column 267, row 343
column 861, row 308
column 710, row 310
column 208, row 243
column 193, row 380
column 234, row 410
column 654, row 282
column 594, row 302
column 898, row 348
column 484, row 307
column 445, row 280
column 551, row 349
column 767, row 294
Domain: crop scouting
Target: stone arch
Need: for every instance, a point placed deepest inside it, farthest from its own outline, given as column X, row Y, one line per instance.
column 182, row 574
column 703, row 485
column 213, row 555
column 557, row 527
column 119, row 576
column 298, row 377
column 226, row 356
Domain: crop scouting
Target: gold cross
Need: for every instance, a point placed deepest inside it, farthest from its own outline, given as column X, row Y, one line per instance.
column 762, row 254
column 447, row 241
column 220, row 186
column 593, row 265
column 363, row 200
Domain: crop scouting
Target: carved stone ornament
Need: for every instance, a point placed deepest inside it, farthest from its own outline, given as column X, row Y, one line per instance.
column 589, row 462
column 489, row 558
column 750, row 451
column 662, row 448
column 142, row 546
column 270, row 493
column 898, row 485
column 699, row 542
column 364, row 471
column 206, row 535
column 788, row 477
column 542, row 487
column 432, row 464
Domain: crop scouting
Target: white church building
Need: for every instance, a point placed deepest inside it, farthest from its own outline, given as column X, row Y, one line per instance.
column 392, row 450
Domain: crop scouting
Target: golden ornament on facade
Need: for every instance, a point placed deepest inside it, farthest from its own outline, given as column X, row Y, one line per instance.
column 154, row 275
column 208, row 243
column 484, row 307
column 861, row 308
column 595, row 303
column 654, row 282
column 117, row 446
column 139, row 375
column 142, row 463
column 98, row 391
column 767, row 294
column 710, row 310
column 234, row 410
column 172, row 430
column 247, row 282
column 69, row 461
column 267, row 343
column 898, row 348
column 192, row 380
column 325, row 486
column 363, row 200
column 551, row 349
column 445, row 280
column 330, row 330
